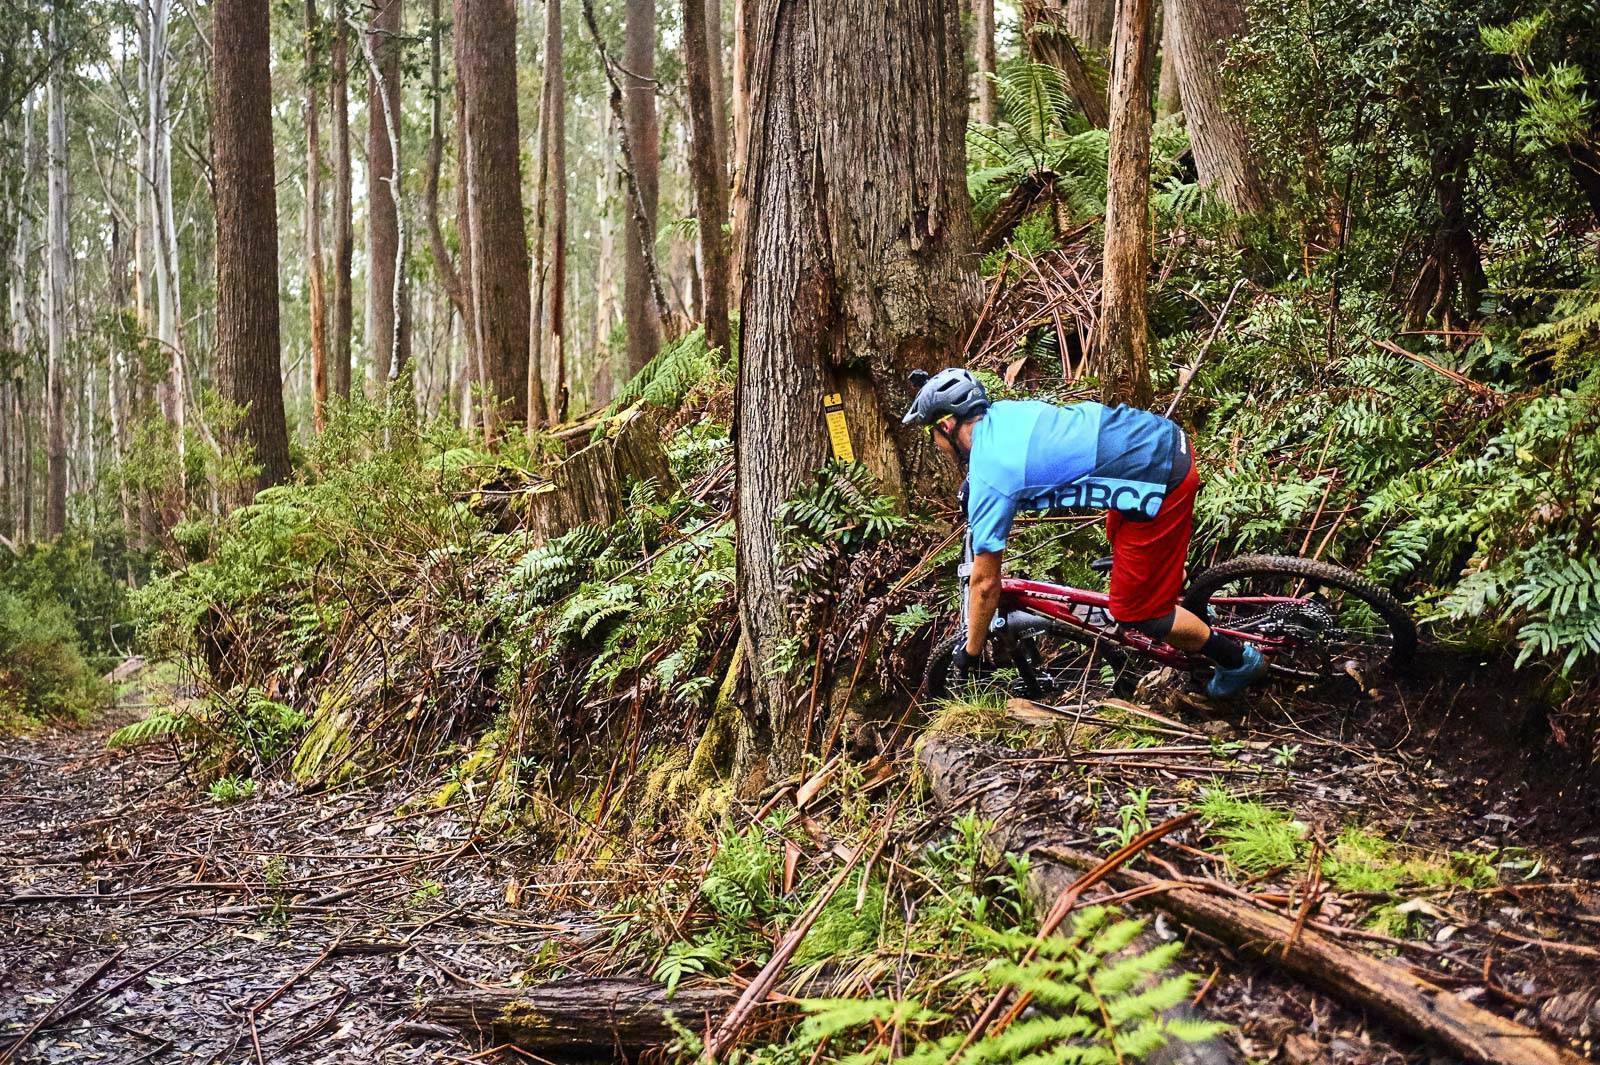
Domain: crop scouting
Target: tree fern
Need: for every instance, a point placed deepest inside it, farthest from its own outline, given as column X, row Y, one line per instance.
column 161, row 724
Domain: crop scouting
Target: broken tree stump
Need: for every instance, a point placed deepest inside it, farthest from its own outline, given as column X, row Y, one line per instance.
column 591, row 485
column 581, row 1013
column 1021, row 805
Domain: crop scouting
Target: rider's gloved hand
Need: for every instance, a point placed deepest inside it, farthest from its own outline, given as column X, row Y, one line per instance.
column 964, row 667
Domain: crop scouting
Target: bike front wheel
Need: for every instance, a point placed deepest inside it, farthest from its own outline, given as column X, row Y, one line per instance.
column 1314, row 620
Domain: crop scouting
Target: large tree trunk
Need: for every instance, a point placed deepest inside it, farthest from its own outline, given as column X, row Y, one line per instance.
column 983, row 52
column 551, row 323
column 55, row 513
column 1045, row 33
column 388, row 311
column 1200, row 33
column 486, row 68
column 644, row 140
column 719, row 86
column 343, row 229
column 858, row 250
column 247, row 367
column 314, row 280
column 1090, row 22
column 708, row 172
column 1124, row 315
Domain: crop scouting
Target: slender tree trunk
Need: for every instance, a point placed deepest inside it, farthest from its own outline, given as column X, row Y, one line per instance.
column 486, row 36
column 21, row 336
column 55, row 514
column 739, row 195
column 314, row 282
column 605, row 283
column 343, row 228
column 1169, row 100
column 477, row 371
column 1045, row 33
column 983, row 51
column 719, row 86
column 247, row 361
column 1124, row 316
column 644, row 139
column 553, row 246
column 860, row 269
column 169, row 304
column 708, row 173
column 449, row 276
column 1201, row 31
column 388, row 313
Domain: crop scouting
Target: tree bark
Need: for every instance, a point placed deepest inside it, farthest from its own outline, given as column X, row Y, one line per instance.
column 987, row 109
column 1169, row 100
column 247, row 360
column 486, row 69
column 1124, row 316
column 449, row 276
column 553, row 183
column 1223, row 158
column 605, row 274
column 343, row 229
column 719, row 87
column 388, row 311
column 1048, row 41
column 1091, row 22
column 314, row 279
column 860, row 269
column 708, row 172
column 607, row 1014
column 644, row 139
column 55, row 513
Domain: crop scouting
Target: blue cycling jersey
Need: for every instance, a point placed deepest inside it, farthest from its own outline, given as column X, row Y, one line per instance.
column 1030, row 455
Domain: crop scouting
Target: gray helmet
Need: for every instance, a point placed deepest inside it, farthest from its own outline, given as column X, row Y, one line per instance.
column 950, row 391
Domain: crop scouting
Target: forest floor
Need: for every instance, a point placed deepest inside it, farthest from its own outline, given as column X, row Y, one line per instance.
column 140, row 921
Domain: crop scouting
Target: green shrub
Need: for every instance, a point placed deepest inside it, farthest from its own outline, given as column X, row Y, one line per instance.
column 43, row 673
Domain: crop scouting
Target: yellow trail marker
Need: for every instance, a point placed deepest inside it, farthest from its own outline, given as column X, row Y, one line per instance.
column 838, row 431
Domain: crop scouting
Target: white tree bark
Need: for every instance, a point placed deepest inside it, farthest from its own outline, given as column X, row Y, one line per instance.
column 158, row 135
column 56, row 300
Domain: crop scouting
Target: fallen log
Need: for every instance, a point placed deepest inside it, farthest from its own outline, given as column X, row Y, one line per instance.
column 581, row 1013
column 1024, row 807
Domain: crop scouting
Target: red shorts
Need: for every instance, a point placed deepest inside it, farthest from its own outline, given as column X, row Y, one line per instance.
column 1148, row 557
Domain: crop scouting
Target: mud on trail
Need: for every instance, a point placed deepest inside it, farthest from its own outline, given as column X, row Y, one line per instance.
column 142, row 922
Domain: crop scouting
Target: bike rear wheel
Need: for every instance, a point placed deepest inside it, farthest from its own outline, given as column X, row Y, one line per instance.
column 1316, row 620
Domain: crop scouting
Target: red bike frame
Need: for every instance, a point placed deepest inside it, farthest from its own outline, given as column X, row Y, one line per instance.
column 1067, row 605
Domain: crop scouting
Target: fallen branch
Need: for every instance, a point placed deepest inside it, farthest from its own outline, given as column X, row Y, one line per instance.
column 579, row 1013
column 88, row 981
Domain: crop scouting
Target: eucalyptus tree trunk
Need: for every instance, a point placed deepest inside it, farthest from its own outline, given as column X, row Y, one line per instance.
column 1090, row 22
column 168, row 299
column 738, row 191
column 486, row 69
column 1223, row 157
column 983, row 52
column 549, row 324
column 708, row 173
column 605, row 272
column 314, row 279
column 719, row 85
column 343, row 227
column 247, row 359
column 860, row 269
column 449, row 275
column 644, row 140
column 55, row 514
column 1124, row 314
column 20, row 457
column 1169, row 100
column 388, row 303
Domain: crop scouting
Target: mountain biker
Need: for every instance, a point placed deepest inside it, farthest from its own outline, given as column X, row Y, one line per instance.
column 1136, row 466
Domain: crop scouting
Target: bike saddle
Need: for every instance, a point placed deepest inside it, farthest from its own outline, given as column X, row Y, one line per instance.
column 1101, row 565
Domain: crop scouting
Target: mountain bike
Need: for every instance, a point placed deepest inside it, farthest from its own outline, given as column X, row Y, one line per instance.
column 1314, row 621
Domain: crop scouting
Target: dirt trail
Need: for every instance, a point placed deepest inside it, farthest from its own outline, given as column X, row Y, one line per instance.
column 146, row 923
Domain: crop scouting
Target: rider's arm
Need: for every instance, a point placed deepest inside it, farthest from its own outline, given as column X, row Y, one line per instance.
column 983, row 597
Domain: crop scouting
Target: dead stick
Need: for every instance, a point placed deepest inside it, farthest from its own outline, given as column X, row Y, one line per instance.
column 88, row 981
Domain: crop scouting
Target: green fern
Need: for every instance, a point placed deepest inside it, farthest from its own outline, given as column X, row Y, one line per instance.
column 159, row 725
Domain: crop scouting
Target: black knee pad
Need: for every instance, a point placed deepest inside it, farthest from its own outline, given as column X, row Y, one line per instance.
column 1155, row 628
